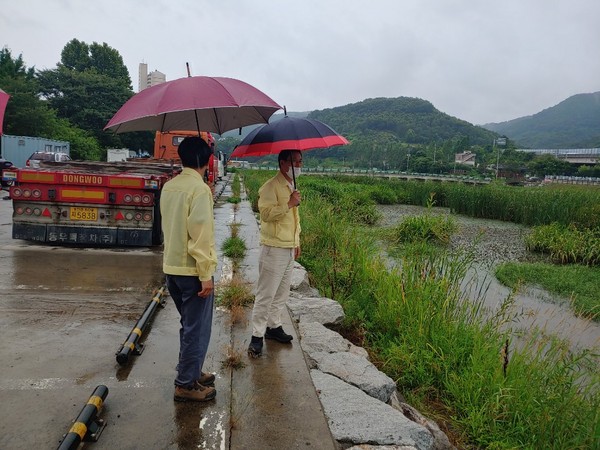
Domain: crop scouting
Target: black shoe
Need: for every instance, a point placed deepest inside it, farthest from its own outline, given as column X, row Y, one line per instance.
column 255, row 347
column 278, row 334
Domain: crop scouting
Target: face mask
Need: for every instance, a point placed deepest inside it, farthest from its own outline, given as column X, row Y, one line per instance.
column 296, row 173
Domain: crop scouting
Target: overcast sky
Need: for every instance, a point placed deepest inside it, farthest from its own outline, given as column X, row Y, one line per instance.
column 478, row 60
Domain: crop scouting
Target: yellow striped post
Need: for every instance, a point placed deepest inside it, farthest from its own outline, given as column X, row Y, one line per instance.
column 131, row 344
column 86, row 426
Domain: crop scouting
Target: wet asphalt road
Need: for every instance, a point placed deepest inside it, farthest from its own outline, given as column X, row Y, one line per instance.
column 64, row 312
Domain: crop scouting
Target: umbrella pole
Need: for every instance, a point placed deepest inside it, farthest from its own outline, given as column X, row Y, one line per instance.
column 197, row 122
column 293, row 173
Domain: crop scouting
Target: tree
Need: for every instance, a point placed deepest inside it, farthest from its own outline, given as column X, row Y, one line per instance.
column 549, row 165
column 589, row 171
column 227, row 144
column 88, row 86
column 29, row 115
column 75, row 56
column 26, row 114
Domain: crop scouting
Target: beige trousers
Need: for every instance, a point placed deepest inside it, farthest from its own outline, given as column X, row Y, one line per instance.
column 272, row 289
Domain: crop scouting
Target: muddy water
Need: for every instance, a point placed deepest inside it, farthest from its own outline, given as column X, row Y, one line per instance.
column 496, row 242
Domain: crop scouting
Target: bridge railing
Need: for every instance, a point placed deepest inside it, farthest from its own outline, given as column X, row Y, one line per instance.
column 563, row 179
column 385, row 173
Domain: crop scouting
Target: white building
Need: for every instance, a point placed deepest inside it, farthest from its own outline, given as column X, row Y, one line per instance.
column 466, row 158
column 149, row 79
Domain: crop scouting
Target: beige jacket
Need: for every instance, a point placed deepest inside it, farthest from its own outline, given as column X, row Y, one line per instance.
column 279, row 225
column 186, row 207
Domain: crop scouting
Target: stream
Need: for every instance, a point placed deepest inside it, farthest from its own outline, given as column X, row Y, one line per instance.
column 497, row 242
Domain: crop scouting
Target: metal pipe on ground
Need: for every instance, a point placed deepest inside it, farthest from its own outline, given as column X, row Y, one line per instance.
column 131, row 345
column 86, row 426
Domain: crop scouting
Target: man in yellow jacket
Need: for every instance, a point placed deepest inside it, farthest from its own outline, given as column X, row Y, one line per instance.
column 189, row 262
column 280, row 246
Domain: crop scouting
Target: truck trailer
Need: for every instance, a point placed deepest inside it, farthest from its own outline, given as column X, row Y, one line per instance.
column 92, row 203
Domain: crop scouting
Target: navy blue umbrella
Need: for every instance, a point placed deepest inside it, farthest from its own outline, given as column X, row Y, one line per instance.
column 289, row 133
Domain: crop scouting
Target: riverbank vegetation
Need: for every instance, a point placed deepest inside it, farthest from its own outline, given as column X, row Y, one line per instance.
column 566, row 244
column 565, row 223
column 579, row 284
column 446, row 357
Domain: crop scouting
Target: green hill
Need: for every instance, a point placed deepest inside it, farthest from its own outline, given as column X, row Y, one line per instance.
column 385, row 131
column 405, row 119
column 573, row 123
column 394, row 133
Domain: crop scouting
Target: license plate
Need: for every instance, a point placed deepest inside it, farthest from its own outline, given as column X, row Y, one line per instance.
column 79, row 213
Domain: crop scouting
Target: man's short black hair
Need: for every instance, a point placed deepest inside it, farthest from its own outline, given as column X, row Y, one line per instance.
column 194, row 152
column 286, row 155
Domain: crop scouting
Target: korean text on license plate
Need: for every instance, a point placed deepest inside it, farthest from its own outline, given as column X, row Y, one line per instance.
column 81, row 213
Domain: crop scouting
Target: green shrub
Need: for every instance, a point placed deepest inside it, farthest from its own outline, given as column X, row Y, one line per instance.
column 566, row 244
column 426, row 228
column 384, row 195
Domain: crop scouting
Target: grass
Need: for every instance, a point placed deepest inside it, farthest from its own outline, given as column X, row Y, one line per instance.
column 446, row 357
column 580, row 284
column 234, row 247
column 236, row 186
column 233, row 359
column 530, row 206
column 566, row 244
column 423, row 228
column 234, row 293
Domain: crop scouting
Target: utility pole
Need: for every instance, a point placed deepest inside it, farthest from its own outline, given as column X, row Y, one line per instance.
column 497, row 147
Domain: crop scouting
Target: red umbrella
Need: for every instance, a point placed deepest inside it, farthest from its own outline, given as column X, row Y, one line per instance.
column 3, row 101
column 215, row 104
column 289, row 133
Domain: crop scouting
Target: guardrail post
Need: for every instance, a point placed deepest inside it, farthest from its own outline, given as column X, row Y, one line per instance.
column 86, row 427
column 131, row 344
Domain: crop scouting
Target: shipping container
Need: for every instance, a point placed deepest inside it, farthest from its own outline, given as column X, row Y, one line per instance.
column 17, row 149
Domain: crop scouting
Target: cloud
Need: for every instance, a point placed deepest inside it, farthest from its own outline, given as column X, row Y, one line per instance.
column 480, row 61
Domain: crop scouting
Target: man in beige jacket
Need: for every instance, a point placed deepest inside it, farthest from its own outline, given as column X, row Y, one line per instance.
column 280, row 246
column 189, row 262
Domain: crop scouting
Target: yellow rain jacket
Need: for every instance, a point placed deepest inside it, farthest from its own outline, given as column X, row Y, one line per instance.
column 279, row 225
column 188, row 224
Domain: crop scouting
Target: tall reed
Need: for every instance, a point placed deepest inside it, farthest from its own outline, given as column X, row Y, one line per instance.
column 540, row 205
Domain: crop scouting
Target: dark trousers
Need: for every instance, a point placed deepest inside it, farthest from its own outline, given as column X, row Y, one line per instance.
column 196, row 324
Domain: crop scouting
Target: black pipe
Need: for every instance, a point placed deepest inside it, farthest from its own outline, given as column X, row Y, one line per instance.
column 85, row 425
column 131, row 344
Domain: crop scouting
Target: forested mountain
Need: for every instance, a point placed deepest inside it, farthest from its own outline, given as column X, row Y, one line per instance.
column 573, row 123
column 406, row 119
column 385, row 132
